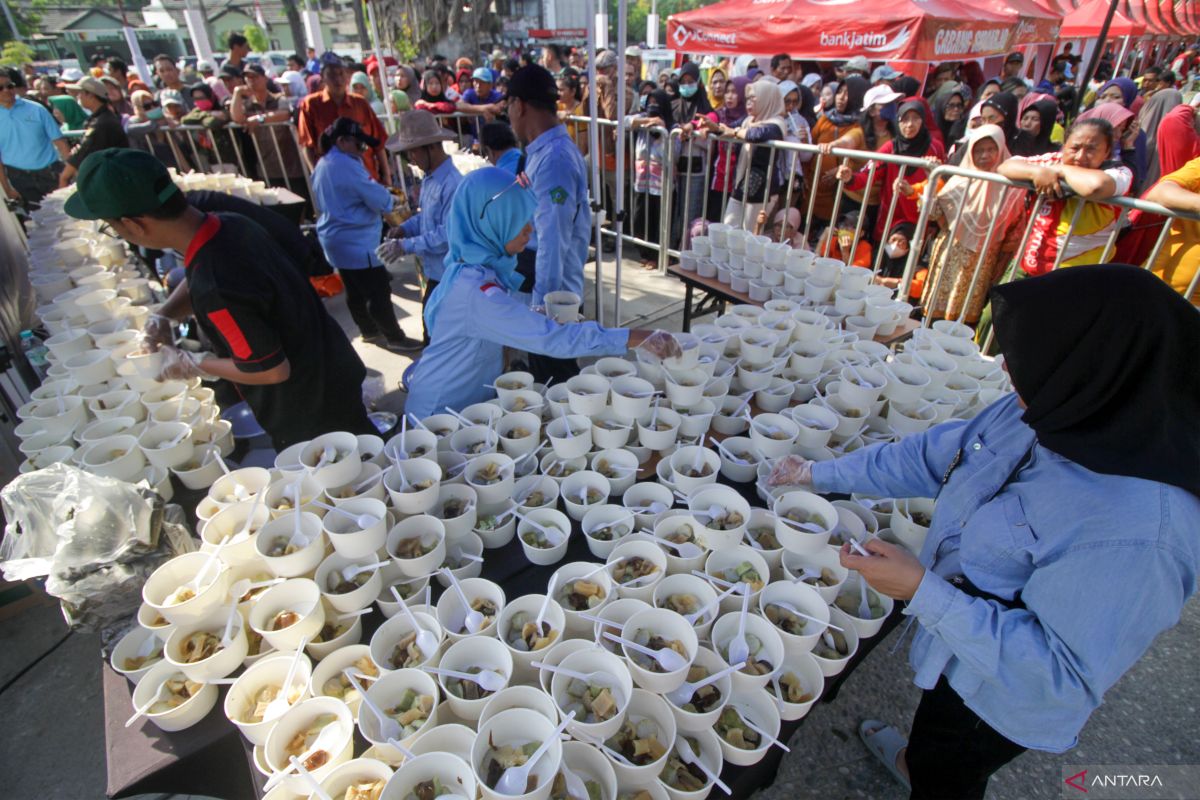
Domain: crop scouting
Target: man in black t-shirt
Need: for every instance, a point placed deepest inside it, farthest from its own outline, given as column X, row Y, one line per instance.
column 102, row 130
column 272, row 336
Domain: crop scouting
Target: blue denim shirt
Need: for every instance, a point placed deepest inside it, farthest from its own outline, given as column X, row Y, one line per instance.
column 472, row 328
column 425, row 231
column 1103, row 564
column 350, row 225
column 563, row 220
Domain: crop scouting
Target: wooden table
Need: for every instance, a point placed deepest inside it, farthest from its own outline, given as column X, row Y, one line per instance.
column 717, row 294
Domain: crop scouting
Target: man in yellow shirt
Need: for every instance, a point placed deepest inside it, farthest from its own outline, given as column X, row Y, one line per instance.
column 1180, row 254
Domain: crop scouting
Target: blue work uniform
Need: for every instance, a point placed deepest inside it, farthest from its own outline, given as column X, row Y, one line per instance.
column 509, row 160
column 27, row 135
column 1087, row 568
column 477, row 320
column 425, row 231
column 563, row 220
column 350, row 226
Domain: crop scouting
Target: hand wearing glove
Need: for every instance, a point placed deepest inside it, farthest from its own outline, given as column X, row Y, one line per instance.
column 157, row 332
column 791, row 470
column 662, row 345
column 179, row 365
column 390, row 251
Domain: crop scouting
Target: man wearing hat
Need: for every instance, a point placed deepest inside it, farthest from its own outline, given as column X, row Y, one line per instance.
column 349, row 229
column 320, row 109
column 883, row 74
column 423, row 234
column 558, row 179
column 857, row 65
column 31, row 144
column 1013, row 65
column 481, row 99
column 272, row 336
column 102, row 130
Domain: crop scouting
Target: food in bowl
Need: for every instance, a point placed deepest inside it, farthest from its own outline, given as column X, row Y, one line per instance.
column 849, row 601
column 536, row 499
column 632, row 569
column 467, row 689
column 199, row 646
column 179, row 689
column 490, row 473
column 134, row 663
column 581, row 595
column 282, row 546
column 679, row 774
column 610, row 532
column 755, row 665
column 826, row 578
column 332, row 630
column 518, row 432
column 498, row 759
column 303, row 741
column 726, row 519
column 745, row 572
column 706, row 698
column 317, row 457
column 733, row 729
column 785, row 620
column 256, row 710
column 682, row 603
column 561, row 469
column 455, row 507
column 337, row 583
column 525, row 636
column 765, row 536
column 591, row 702
column 428, row 790
column 832, row 645
column 691, row 471
column 340, row 687
column 790, row 689
column 654, row 641
column 485, row 607
column 639, row 740
column 510, row 386
column 417, row 486
column 365, row 790
column 284, row 619
column 406, row 653
column 681, row 535
column 410, row 712
column 538, row 539
column 414, row 547
column 179, row 596
column 558, row 789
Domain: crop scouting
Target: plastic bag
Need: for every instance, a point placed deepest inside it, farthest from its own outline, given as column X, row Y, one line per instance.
column 94, row 539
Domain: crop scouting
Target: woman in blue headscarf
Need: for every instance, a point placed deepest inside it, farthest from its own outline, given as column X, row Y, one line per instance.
column 472, row 315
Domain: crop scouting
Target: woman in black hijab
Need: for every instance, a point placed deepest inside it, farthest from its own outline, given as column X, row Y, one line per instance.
column 1035, row 128
column 1004, row 104
column 907, row 86
column 1064, row 537
column 693, row 152
column 648, row 169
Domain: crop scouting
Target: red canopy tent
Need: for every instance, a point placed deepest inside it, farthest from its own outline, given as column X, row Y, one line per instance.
column 1085, row 22
column 1037, row 22
column 888, row 30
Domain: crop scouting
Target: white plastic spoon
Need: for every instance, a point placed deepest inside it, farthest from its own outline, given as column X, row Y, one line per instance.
column 514, row 779
column 145, row 709
column 427, row 643
column 388, row 727
column 738, row 648
column 317, row 791
column 685, row 752
column 280, row 704
column 488, row 679
column 685, row 691
column 363, row 521
column 667, row 658
column 472, row 620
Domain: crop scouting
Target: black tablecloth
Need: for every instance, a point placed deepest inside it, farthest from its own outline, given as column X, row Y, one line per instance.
column 197, row 761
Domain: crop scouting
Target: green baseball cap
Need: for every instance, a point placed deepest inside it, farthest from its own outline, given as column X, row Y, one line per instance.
column 119, row 182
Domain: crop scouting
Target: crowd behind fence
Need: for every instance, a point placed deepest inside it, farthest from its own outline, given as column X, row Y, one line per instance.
column 272, row 152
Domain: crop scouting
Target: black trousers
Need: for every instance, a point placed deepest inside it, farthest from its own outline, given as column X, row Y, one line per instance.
column 952, row 752
column 369, row 298
column 34, row 184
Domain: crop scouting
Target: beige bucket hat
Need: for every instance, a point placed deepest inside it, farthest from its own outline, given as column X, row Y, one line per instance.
column 417, row 129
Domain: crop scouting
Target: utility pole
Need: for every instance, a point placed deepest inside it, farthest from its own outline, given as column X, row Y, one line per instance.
column 1094, row 61
column 12, row 23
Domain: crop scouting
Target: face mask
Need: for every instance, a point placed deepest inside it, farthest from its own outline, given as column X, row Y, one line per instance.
column 204, row 105
column 645, row 99
column 895, row 250
column 888, row 112
column 687, row 90
column 154, row 113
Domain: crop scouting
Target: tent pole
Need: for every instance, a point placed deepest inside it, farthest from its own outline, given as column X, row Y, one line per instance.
column 622, row 34
column 1094, row 61
column 594, row 156
column 1121, row 58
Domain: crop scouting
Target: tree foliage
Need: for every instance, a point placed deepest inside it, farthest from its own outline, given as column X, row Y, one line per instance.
column 429, row 26
column 256, row 38
column 15, row 53
column 639, row 11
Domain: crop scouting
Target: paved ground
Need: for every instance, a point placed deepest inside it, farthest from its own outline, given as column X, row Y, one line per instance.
column 49, row 686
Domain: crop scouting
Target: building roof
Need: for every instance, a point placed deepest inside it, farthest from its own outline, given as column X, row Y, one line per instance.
column 272, row 10
column 63, row 18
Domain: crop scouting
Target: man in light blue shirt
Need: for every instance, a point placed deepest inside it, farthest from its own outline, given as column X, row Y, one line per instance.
column 500, row 146
column 350, row 226
column 423, row 234
column 558, row 178
column 32, row 148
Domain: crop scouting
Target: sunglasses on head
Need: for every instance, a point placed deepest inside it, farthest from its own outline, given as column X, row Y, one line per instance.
column 522, row 181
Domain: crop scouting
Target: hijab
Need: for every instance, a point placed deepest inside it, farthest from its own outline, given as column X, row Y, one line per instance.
column 917, row 146
column 984, row 201
column 732, row 117
column 688, row 107
column 832, row 86
column 362, row 79
column 741, row 65
column 907, row 86
column 440, row 97
column 951, row 131
column 791, row 217
column 811, row 81
column 1006, row 104
column 481, row 221
column 1104, row 358
column 1116, row 114
column 1150, row 117
column 768, row 106
column 1029, row 145
column 1178, row 142
column 714, row 101
column 414, row 84
column 1129, row 89
column 856, row 86
column 807, row 101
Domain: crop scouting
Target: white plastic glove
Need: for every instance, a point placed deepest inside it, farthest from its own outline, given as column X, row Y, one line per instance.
column 391, row 251
column 156, row 333
column 179, row 365
column 792, row 470
column 662, row 345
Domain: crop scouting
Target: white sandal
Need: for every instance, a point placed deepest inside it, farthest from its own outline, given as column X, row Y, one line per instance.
column 884, row 742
